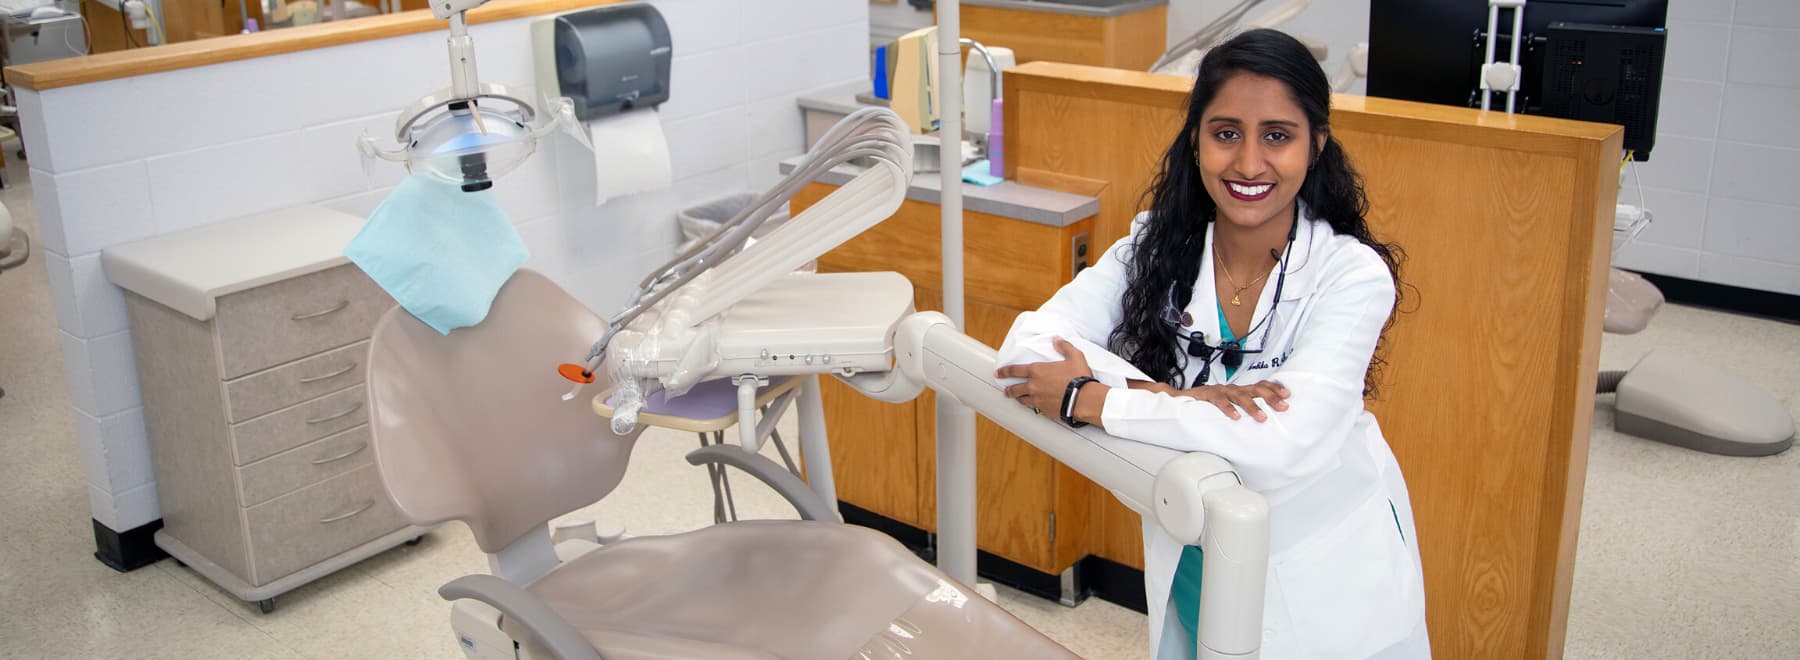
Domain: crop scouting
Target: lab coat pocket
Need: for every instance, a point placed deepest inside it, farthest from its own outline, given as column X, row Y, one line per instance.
column 1349, row 589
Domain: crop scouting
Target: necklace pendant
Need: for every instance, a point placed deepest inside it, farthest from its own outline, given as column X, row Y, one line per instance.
column 1234, row 300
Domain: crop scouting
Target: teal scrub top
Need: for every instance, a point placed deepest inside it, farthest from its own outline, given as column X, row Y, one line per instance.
column 1227, row 337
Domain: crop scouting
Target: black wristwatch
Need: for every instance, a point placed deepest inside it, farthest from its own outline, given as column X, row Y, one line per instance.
column 1068, row 402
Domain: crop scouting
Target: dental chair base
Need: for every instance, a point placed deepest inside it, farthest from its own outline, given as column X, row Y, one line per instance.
column 477, row 624
column 1687, row 403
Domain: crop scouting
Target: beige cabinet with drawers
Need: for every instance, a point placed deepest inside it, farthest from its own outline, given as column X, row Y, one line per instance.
column 251, row 337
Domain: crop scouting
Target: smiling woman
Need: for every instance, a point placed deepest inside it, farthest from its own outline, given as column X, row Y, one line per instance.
column 1253, row 190
column 1255, row 146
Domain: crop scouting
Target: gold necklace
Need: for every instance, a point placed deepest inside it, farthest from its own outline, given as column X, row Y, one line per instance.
column 1236, row 289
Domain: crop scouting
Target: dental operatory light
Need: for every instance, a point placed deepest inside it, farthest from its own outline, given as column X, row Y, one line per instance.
column 471, row 132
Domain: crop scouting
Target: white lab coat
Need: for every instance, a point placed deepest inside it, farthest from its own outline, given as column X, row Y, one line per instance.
column 1344, row 573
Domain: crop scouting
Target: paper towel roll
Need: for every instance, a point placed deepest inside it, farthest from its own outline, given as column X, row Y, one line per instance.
column 630, row 155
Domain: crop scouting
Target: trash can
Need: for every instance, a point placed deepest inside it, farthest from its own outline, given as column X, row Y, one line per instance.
column 699, row 222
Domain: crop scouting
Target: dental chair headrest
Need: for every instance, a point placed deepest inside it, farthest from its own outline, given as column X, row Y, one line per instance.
column 472, row 426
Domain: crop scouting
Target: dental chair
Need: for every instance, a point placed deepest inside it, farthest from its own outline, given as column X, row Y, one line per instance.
column 729, row 309
column 470, row 426
column 1675, row 399
column 15, row 248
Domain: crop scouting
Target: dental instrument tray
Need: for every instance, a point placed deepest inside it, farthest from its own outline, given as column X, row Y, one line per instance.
column 803, row 324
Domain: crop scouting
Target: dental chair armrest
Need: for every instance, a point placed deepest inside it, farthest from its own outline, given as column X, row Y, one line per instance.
column 555, row 633
column 807, row 502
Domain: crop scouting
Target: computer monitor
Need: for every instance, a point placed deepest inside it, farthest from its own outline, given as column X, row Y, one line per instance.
column 1606, row 66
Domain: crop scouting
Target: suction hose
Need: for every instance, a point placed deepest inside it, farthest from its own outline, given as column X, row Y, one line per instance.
column 1609, row 382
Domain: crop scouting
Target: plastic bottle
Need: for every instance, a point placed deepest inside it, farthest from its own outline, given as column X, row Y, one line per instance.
column 880, row 78
column 996, row 140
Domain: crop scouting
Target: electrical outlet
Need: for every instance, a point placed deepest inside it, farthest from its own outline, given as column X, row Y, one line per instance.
column 1079, row 256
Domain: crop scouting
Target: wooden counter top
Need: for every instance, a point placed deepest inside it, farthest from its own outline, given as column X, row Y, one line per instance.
column 1451, row 124
column 187, row 54
column 1007, row 199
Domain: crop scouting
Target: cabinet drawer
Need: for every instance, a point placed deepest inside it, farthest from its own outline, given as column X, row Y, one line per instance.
column 289, row 384
column 303, row 466
column 280, row 431
column 302, row 528
column 294, row 318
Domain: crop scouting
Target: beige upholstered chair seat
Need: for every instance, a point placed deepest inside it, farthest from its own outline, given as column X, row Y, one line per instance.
column 778, row 589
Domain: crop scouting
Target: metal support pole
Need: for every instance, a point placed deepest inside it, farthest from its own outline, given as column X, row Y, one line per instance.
column 955, row 423
column 815, row 451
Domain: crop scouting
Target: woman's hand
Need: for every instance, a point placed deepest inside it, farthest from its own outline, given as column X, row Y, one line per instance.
column 1229, row 398
column 1045, row 382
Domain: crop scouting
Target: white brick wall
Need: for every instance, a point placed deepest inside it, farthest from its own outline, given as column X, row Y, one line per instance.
column 121, row 160
column 1721, row 180
column 1339, row 23
column 1729, row 91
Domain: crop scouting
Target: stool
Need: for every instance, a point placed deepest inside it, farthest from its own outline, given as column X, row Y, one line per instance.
column 711, row 408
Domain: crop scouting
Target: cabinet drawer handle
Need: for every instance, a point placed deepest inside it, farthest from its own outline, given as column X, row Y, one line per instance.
column 352, row 452
column 340, row 307
column 320, row 420
column 352, row 512
column 329, row 376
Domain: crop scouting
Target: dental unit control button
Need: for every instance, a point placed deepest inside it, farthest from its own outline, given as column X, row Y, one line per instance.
column 765, row 355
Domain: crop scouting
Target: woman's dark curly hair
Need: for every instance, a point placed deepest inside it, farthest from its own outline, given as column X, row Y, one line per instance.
column 1168, row 248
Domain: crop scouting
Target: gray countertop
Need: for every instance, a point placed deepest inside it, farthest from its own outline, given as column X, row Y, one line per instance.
column 1005, row 199
column 188, row 271
column 836, row 100
column 1101, row 8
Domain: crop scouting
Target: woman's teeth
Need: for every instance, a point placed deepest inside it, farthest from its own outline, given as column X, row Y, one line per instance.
column 1251, row 191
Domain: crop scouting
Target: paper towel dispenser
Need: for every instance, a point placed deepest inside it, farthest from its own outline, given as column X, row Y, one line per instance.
column 608, row 59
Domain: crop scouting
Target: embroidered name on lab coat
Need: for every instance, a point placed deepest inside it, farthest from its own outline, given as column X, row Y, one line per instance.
column 1275, row 363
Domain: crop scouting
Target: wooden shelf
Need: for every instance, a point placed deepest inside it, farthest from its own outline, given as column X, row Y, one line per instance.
column 1129, row 41
column 72, row 71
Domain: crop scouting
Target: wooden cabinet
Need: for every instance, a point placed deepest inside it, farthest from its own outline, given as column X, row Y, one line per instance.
column 884, row 455
column 1128, row 41
column 187, row 20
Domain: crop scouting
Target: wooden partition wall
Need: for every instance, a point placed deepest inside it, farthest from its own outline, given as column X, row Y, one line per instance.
column 1488, row 391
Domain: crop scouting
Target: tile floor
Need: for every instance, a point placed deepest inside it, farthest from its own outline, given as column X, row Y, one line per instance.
column 1681, row 555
